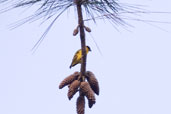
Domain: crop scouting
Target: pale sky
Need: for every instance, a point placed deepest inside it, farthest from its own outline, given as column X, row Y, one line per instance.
column 134, row 69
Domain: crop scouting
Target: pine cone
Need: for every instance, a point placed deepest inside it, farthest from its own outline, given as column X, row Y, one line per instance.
column 93, row 82
column 73, row 88
column 88, row 92
column 69, row 80
column 80, row 105
column 87, row 29
column 75, row 32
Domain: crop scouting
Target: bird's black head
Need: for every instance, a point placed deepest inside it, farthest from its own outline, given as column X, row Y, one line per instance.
column 88, row 48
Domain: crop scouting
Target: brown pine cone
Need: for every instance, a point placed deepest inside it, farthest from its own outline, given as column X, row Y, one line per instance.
column 75, row 32
column 73, row 88
column 88, row 92
column 80, row 105
column 87, row 29
column 69, row 80
column 93, row 82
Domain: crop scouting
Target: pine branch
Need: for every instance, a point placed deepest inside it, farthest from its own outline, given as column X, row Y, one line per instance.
column 82, row 38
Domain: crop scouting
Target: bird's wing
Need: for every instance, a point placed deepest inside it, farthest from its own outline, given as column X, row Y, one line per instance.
column 77, row 55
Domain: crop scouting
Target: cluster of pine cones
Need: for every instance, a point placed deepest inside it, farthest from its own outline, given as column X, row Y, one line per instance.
column 75, row 32
column 86, row 88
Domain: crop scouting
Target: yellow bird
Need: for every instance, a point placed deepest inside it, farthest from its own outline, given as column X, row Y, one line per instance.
column 78, row 56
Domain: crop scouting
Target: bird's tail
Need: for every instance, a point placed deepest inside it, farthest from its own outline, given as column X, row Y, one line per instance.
column 70, row 66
